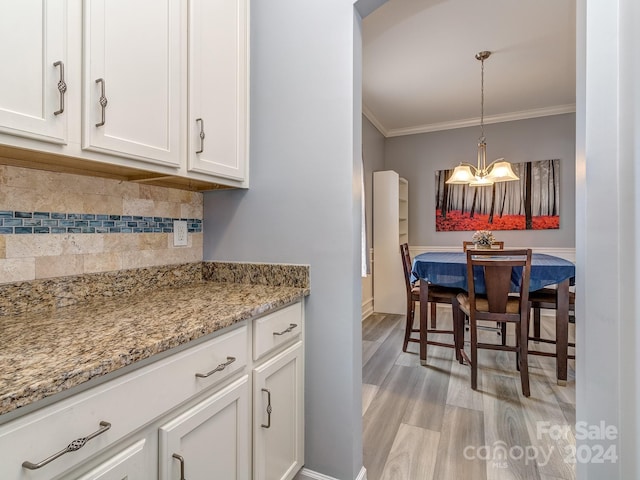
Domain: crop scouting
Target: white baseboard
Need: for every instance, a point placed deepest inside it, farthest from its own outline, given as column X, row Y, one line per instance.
column 306, row 474
column 367, row 308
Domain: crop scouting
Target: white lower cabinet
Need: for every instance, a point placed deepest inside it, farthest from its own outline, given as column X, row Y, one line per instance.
column 213, row 436
column 278, row 413
column 130, row 463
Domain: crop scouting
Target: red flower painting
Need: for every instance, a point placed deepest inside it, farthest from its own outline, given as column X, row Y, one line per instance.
column 531, row 203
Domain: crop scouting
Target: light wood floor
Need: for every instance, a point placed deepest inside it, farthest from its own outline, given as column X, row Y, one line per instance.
column 426, row 422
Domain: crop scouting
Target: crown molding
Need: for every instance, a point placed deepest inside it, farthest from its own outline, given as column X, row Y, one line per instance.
column 376, row 123
column 469, row 122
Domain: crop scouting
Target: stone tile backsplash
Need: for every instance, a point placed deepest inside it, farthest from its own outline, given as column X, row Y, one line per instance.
column 58, row 224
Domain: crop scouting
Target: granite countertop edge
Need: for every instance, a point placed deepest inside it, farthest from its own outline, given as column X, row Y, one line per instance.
column 46, row 353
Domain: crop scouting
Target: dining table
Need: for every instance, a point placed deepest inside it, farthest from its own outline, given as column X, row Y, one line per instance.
column 449, row 269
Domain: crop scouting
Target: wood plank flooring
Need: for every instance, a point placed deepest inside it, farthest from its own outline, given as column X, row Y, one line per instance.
column 425, row 422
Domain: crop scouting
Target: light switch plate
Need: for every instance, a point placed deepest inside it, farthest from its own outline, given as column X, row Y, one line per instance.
column 180, row 233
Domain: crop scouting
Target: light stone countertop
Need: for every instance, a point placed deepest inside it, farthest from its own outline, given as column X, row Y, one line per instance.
column 45, row 353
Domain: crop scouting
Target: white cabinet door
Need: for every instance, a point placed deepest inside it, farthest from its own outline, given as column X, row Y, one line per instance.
column 129, row 463
column 210, row 440
column 218, row 87
column 33, row 49
column 134, row 78
column 278, row 416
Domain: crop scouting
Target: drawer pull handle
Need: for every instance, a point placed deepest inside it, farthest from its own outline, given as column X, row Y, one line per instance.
column 180, row 458
column 291, row 327
column 102, row 101
column 201, row 135
column 269, row 409
column 62, row 86
column 219, row 368
column 77, row 444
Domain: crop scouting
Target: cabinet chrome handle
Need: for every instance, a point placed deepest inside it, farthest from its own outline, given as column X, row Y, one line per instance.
column 102, row 101
column 62, row 86
column 291, row 327
column 77, row 444
column 219, row 368
column 180, row 458
column 201, row 135
column 269, row 409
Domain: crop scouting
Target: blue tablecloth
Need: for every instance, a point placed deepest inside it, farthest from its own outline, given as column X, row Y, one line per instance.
column 449, row 269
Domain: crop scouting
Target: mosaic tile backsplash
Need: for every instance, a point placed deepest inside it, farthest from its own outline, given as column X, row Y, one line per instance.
column 12, row 222
column 55, row 224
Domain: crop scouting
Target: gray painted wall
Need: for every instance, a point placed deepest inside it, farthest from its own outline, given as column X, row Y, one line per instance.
column 373, row 155
column 417, row 157
column 304, row 203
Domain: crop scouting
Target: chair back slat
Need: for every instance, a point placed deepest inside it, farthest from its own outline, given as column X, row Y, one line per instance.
column 497, row 267
column 497, row 281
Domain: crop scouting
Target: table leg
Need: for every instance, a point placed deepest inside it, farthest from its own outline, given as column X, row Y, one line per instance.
column 424, row 313
column 562, row 330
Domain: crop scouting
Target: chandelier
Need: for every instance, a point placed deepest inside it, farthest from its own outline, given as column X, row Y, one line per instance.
column 482, row 175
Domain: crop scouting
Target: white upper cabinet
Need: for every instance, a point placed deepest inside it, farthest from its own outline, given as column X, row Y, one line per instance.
column 134, row 79
column 33, row 49
column 159, row 87
column 218, row 87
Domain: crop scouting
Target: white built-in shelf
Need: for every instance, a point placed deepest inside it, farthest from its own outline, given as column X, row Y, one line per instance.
column 390, row 230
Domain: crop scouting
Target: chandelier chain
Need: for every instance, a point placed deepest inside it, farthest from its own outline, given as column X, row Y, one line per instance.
column 482, row 97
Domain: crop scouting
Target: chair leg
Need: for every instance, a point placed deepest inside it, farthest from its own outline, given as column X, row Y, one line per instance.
column 474, row 352
column 536, row 322
column 503, row 332
column 411, row 305
column 433, row 314
column 518, row 346
column 458, row 329
column 524, row 356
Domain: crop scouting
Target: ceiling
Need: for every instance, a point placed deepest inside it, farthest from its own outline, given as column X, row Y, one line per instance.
column 420, row 73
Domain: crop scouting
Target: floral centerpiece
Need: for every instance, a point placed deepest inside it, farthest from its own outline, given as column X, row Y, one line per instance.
column 483, row 238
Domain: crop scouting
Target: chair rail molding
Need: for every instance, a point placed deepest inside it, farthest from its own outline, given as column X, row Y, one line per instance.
column 306, row 474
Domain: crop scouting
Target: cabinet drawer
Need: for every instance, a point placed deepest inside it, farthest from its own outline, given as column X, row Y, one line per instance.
column 125, row 403
column 277, row 328
column 129, row 463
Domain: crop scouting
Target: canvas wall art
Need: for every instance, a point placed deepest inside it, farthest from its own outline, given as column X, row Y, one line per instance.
column 531, row 203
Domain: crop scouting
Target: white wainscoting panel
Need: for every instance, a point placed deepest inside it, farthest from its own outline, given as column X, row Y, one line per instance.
column 367, row 290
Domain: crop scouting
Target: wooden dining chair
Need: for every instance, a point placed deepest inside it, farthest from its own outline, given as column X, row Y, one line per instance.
column 546, row 298
column 497, row 305
column 466, row 245
column 437, row 294
column 502, row 329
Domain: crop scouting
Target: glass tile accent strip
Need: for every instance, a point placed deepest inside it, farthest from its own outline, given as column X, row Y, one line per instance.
column 14, row 222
